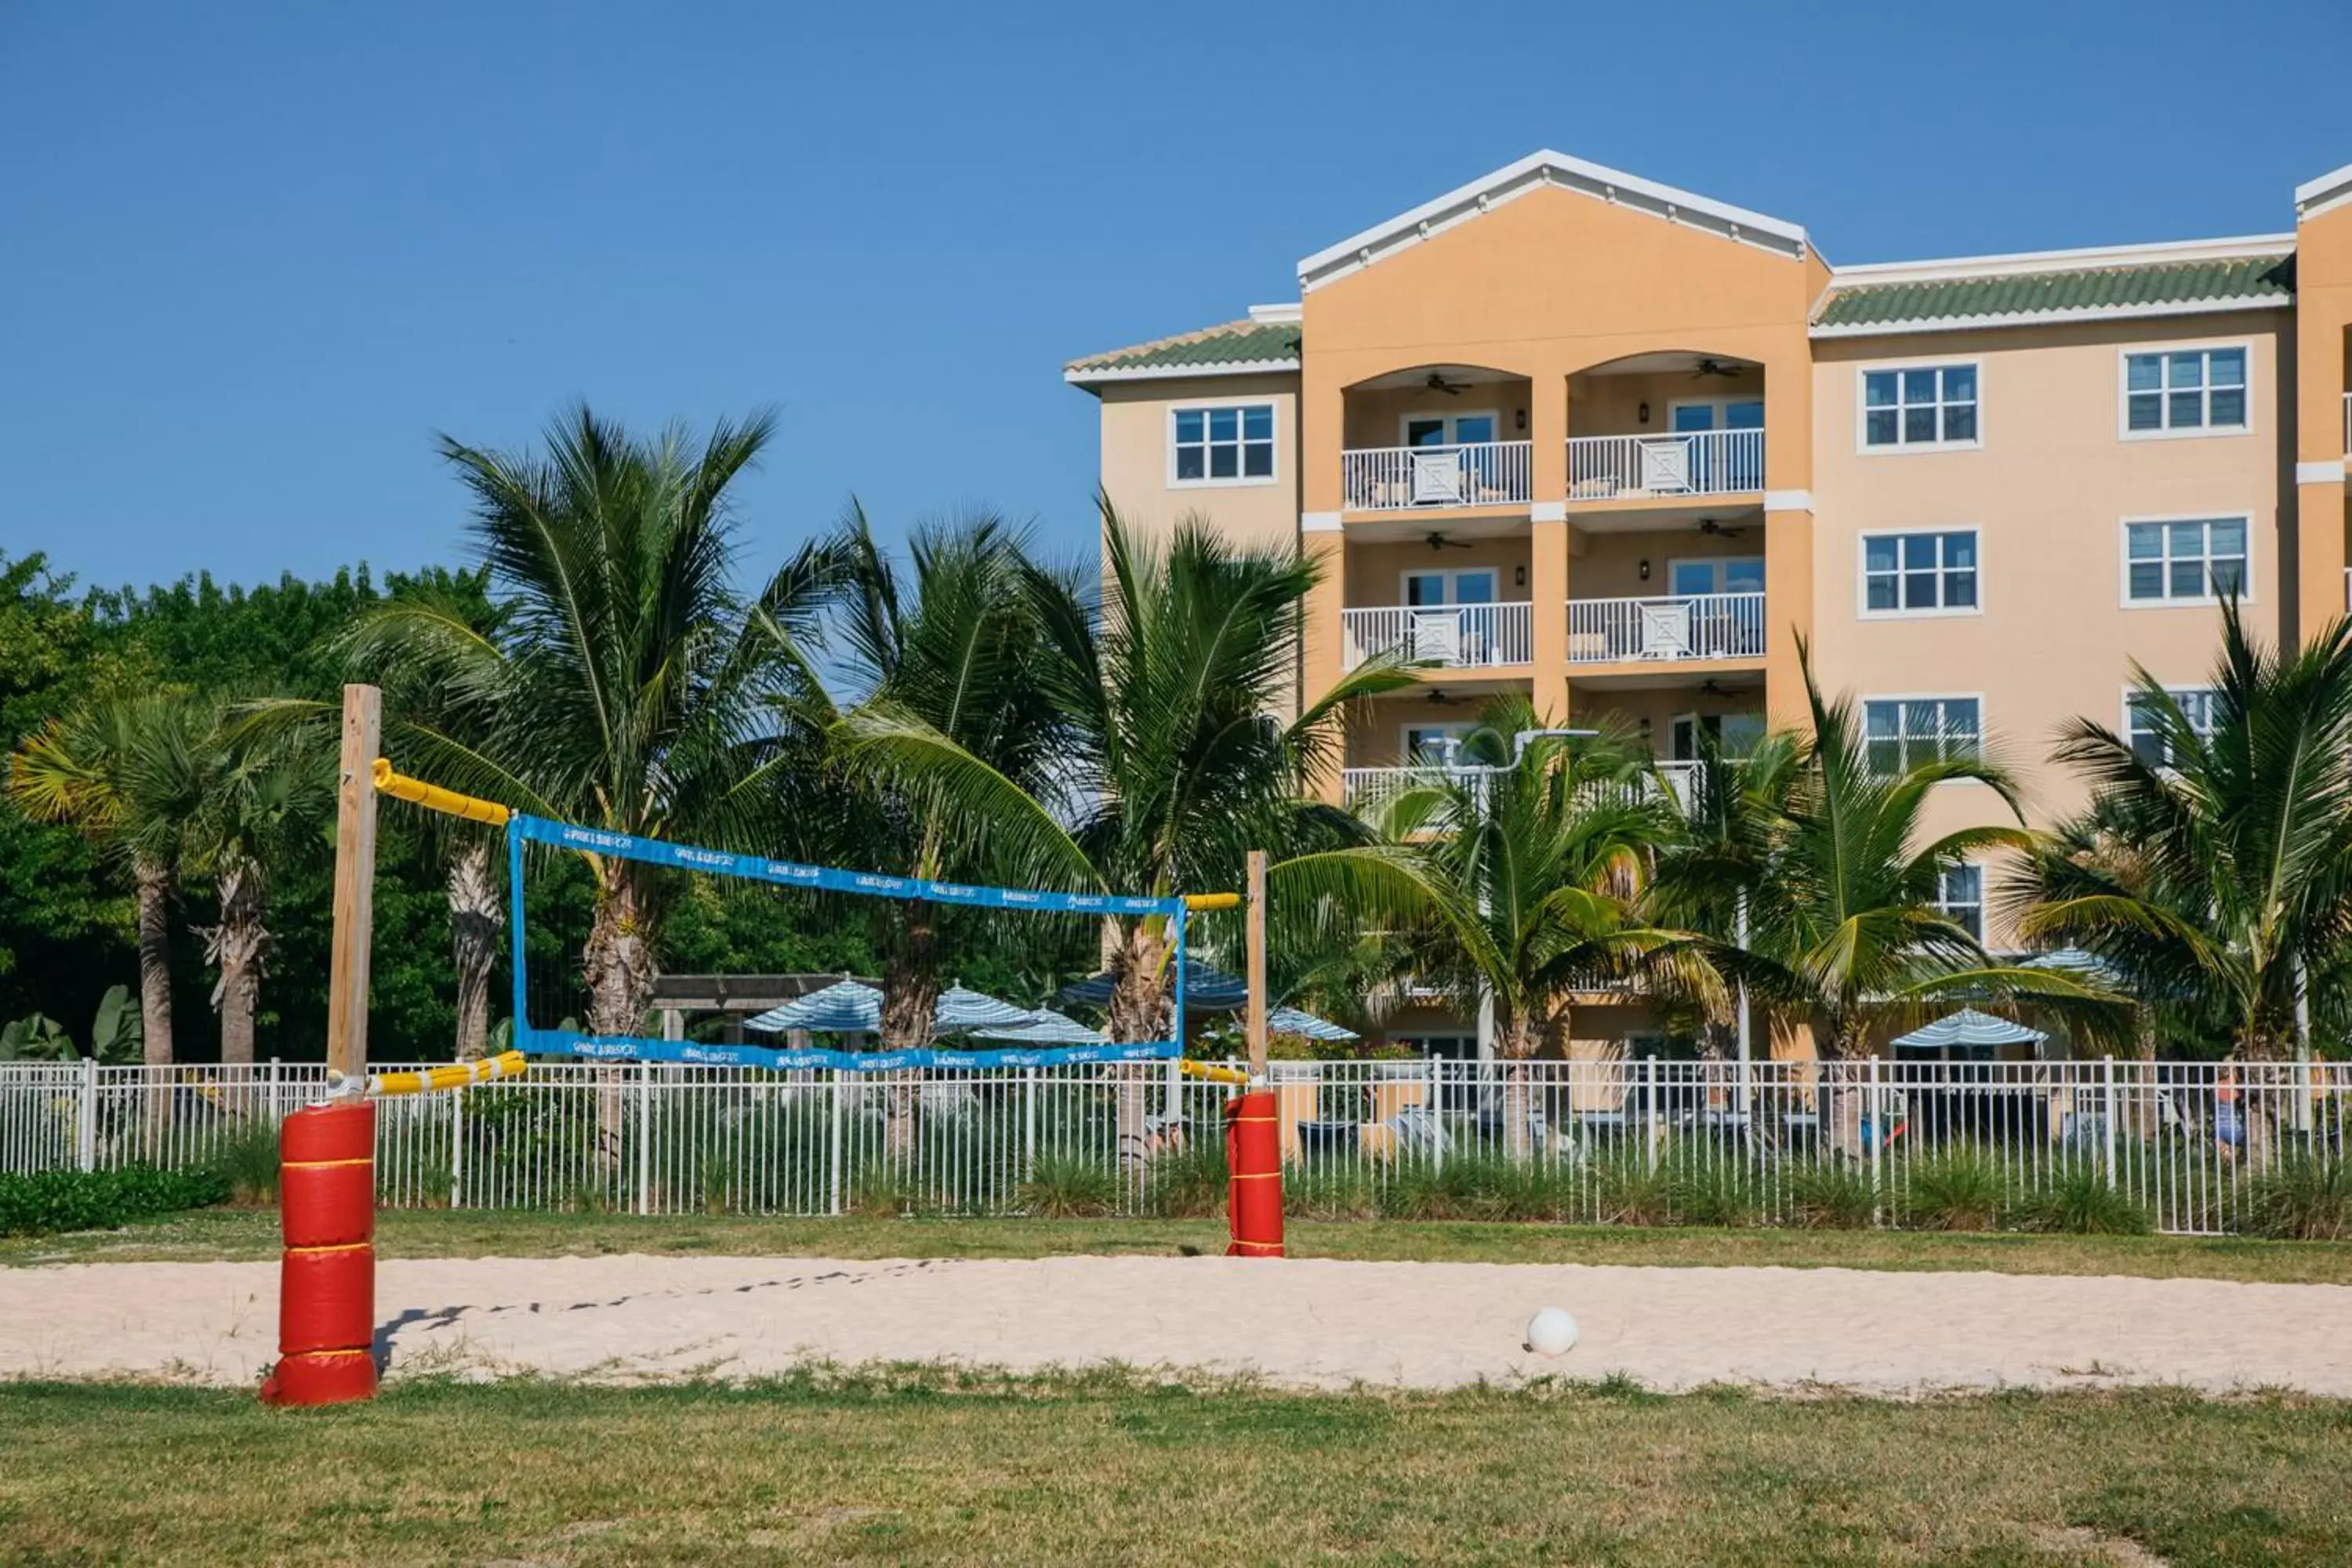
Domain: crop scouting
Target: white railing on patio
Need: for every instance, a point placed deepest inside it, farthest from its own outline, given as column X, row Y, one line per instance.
column 1637, row 467
column 1403, row 479
column 1452, row 637
column 2191, row 1145
column 1701, row 625
column 1368, row 790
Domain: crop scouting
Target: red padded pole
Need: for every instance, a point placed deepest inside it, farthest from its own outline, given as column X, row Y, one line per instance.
column 326, row 1292
column 1253, row 1162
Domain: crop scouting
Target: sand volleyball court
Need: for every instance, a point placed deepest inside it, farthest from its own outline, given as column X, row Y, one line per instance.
column 1306, row 1322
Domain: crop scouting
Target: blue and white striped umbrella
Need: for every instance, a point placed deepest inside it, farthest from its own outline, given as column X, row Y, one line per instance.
column 960, row 1009
column 1970, row 1028
column 1291, row 1021
column 1045, row 1027
column 1206, row 990
column 852, row 1007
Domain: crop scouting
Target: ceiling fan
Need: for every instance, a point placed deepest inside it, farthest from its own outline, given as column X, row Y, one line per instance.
column 1439, row 542
column 1705, row 367
column 1708, row 525
column 1437, row 382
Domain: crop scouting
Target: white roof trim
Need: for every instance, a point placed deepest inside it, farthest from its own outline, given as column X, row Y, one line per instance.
column 2332, row 189
column 1180, row 371
column 1535, row 172
column 2039, row 318
column 1956, row 267
column 1277, row 315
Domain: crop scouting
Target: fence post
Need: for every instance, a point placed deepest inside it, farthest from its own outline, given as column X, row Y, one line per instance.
column 457, row 1148
column 836, row 1141
column 2108, row 1120
column 1028, row 1121
column 1874, row 1135
column 1650, row 1109
column 1436, row 1111
column 644, row 1138
column 86, row 1118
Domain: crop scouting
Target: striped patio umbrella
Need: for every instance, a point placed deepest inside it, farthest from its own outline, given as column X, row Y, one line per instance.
column 852, row 1007
column 1291, row 1021
column 1045, row 1027
column 1969, row 1030
column 1206, row 990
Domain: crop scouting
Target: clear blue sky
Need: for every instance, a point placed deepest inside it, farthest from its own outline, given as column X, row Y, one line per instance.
column 253, row 255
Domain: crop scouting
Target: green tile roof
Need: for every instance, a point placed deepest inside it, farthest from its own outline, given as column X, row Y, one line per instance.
column 1271, row 344
column 2253, row 280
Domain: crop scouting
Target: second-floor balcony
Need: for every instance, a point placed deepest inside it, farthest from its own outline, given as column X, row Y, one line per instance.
column 1370, row 791
column 1451, row 637
column 1410, row 479
column 1669, row 630
column 1647, row 468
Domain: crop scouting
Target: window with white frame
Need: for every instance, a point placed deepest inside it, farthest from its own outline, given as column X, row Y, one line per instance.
column 2147, row 735
column 2194, row 561
column 2181, row 389
column 1919, row 572
column 1228, row 445
column 1923, row 407
column 1959, row 897
column 1902, row 732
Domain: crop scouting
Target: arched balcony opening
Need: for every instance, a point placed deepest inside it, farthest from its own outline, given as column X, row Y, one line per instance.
column 1435, row 437
column 1660, row 426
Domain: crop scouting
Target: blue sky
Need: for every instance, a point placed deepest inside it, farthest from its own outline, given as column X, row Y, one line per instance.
column 255, row 256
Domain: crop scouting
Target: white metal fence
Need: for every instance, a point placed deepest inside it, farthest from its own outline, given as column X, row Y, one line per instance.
column 1400, row 478
column 1964, row 1144
column 1638, row 467
column 1453, row 636
column 1698, row 626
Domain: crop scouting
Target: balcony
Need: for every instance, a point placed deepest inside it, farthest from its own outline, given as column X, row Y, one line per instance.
column 1653, row 467
column 1368, row 790
column 1410, row 479
column 1451, row 637
column 1665, row 631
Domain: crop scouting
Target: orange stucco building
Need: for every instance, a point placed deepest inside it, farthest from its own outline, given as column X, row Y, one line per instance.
column 1567, row 431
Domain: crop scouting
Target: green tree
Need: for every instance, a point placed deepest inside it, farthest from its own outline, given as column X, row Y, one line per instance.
column 2212, row 868
column 263, row 804
column 630, row 686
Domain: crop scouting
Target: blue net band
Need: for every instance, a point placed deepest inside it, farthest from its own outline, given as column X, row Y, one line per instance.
column 791, row 874
column 689, row 1053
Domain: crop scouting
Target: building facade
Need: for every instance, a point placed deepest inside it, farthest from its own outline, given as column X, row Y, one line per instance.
column 1567, row 431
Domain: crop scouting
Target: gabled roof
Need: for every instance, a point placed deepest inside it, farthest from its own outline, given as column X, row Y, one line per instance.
column 2175, row 279
column 1536, row 171
column 1234, row 348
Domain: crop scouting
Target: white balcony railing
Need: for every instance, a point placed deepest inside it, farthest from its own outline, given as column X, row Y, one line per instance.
column 1452, row 636
column 1703, row 625
column 1404, row 478
column 1368, row 791
column 1636, row 468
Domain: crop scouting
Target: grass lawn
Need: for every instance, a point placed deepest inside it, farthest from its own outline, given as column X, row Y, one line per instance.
column 923, row 1467
column 444, row 1232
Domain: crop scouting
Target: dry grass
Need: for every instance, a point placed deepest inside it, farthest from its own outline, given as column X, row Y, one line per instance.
column 928, row 1466
column 442, row 1233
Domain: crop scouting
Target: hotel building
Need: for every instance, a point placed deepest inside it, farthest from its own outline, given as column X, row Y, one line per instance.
column 1570, row 432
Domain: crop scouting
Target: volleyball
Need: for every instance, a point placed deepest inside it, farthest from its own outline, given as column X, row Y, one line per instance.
column 1551, row 1331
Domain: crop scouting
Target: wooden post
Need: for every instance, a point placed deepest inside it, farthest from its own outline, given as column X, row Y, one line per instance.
column 347, row 974
column 1254, row 900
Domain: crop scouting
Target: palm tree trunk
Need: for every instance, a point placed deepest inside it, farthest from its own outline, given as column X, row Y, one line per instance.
column 1520, row 1041
column 911, row 995
column 239, row 947
column 618, row 966
column 154, row 883
column 1141, row 1009
column 475, row 921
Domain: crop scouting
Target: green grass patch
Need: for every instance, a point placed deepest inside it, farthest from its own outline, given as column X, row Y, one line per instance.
column 914, row 1464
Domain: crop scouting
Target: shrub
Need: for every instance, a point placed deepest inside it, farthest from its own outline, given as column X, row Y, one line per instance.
column 1631, row 1190
column 1832, row 1197
column 1189, row 1183
column 1715, row 1191
column 2305, row 1197
column 246, row 1159
column 1066, row 1186
column 101, row 1200
column 2079, row 1201
column 1330, row 1192
column 1958, row 1188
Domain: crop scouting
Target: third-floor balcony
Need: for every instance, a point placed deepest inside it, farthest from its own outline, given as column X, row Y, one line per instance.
column 1452, row 636
column 1647, row 468
column 1410, row 479
column 1668, row 630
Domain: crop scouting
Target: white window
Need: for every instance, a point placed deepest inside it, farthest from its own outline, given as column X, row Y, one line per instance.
column 1473, row 586
column 1694, row 578
column 2195, row 704
column 1919, row 574
column 1918, row 408
column 2185, row 392
column 1959, row 897
column 1451, row 429
column 1901, row 732
column 1225, row 444
column 1430, row 743
column 2185, row 561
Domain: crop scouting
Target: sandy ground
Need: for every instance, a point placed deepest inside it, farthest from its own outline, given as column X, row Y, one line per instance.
column 1309, row 1323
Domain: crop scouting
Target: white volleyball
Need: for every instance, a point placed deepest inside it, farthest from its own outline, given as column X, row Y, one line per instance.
column 1551, row 1331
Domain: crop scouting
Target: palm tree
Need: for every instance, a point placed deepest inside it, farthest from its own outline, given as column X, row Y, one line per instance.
column 1545, row 855
column 628, row 686
column 264, row 802
column 1172, row 761
column 131, row 773
column 2212, row 869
